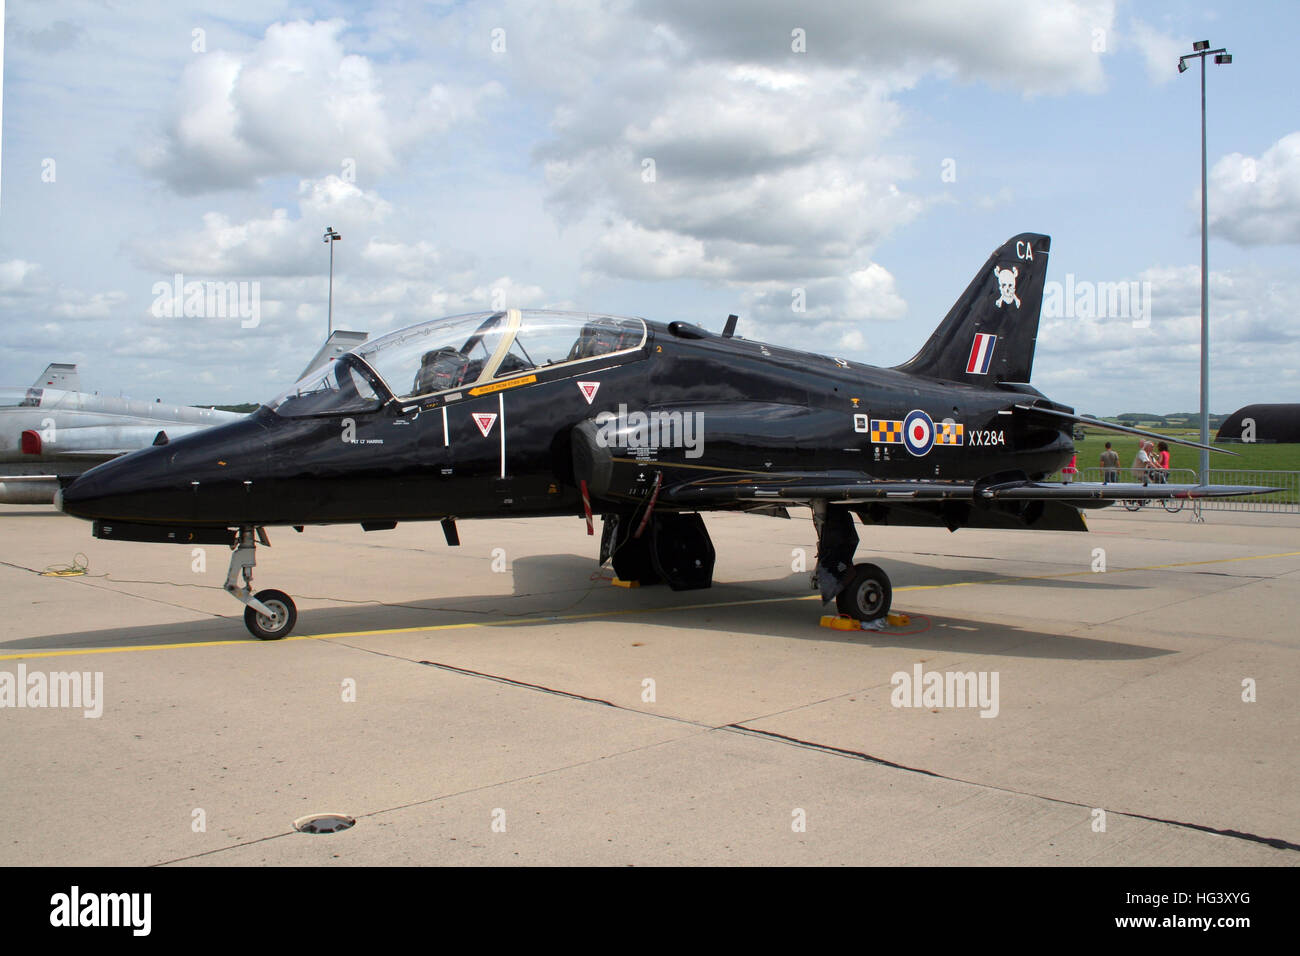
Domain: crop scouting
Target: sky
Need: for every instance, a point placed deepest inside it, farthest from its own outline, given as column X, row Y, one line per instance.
column 833, row 172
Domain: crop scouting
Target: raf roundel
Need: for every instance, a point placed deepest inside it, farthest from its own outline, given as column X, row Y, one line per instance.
column 918, row 432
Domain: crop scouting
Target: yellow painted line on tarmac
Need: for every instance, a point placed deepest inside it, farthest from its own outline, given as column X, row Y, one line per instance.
column 116, row 650
column 616, row 612
column 1089, row 572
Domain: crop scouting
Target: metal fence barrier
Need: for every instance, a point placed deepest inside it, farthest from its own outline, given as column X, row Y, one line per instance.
column 1285, row 501
column 1174, row 476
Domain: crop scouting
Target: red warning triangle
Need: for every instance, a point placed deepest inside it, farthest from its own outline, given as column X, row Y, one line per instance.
column 485, row 421
column 589, row 390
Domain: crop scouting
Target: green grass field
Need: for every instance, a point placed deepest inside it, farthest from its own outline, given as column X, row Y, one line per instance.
column 1253, row 457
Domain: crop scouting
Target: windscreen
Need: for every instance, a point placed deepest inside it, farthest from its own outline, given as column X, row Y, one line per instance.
column 20, row 397
column 337, row 388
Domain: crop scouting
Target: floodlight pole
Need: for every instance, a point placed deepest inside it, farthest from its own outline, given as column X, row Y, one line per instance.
column 330, row 238
column 1201, row 51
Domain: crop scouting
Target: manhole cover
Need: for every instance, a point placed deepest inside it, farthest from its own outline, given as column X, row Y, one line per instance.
column 323, row 823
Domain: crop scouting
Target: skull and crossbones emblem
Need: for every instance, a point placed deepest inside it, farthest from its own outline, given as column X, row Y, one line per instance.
column 1007, row 286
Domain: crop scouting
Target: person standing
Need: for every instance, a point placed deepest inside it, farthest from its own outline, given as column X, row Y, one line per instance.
column 1070, row 470
column 1143, row 463
column 1109, row 465
column 1162, row 462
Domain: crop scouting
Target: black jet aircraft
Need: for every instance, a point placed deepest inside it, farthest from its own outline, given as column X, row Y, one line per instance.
column 532, row 413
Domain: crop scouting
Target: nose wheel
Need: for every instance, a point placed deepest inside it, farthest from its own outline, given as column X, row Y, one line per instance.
column 272, row 627
column 269, row 615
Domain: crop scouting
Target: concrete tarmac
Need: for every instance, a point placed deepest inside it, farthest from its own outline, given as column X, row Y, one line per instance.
column 503, row 703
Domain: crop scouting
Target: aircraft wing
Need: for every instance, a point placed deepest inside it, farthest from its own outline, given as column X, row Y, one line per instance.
column 1087, row 491
column 799, row 488
column 796, row 488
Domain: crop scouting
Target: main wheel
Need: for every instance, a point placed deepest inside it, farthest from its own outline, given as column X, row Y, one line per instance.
column 867, row 595
column 285, row 616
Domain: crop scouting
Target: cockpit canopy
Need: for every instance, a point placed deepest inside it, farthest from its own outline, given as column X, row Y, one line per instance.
column 20, row 397
column 458, row 352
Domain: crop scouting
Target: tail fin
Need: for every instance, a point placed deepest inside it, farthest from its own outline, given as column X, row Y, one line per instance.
column 59, row 375
column 988, row 335
column 338, row 343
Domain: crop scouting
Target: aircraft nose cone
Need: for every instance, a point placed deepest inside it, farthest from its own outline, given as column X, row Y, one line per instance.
column 109, row 490
column 216, row 477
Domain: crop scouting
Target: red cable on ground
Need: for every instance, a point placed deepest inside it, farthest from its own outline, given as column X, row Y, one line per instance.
column 913, row 616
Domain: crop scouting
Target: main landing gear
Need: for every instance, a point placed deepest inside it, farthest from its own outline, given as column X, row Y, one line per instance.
column 861, row 591
column 665, row 547
column 270, row 614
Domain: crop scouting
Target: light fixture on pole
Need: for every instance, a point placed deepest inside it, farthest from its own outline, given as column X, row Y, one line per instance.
column 1201, row 49
column 331, row 237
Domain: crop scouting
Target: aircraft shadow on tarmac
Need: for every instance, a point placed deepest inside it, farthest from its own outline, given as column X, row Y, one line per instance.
column 550, row 590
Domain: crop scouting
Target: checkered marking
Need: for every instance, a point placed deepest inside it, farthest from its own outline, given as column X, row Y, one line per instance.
column 949, row 433
column 887, row 432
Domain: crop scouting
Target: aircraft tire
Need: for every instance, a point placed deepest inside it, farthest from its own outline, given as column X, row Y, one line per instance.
column 633, row 560
column 868, row 594
column 286, row 616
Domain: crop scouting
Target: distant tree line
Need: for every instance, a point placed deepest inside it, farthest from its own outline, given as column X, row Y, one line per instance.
column 1174, row 420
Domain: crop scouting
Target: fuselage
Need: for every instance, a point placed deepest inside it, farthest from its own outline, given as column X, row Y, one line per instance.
column 504, row 446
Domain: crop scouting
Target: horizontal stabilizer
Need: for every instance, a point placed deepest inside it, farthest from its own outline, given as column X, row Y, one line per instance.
column 1098, row 423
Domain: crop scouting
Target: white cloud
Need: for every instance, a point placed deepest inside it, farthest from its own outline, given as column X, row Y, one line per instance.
column 275, row 245
column 710, row 150
column 1035, row 48
column 1253, row 340
column 1160, row 51
column 18, row 277
column 297, row 103
column 1257, row 201
column 631, row 251
column 99, row 305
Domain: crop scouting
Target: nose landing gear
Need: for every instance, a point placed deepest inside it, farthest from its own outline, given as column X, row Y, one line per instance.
column 269, row 615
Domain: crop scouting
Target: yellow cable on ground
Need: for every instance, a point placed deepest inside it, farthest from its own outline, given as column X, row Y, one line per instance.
column 80, row 564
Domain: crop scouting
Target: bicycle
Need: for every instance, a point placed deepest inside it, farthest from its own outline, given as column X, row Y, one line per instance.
column 1171, row 505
